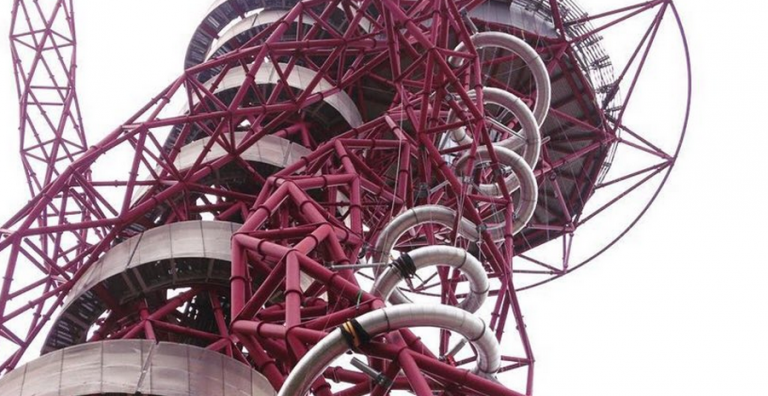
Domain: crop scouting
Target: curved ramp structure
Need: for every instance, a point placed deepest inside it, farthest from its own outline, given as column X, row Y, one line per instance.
column 176, row 255
column 226, row 15
column 134, row 367
column 299, row 78
column 242, row 30
column 270, row 149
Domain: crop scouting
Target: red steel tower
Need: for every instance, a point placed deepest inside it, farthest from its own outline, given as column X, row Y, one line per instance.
column 336, row 197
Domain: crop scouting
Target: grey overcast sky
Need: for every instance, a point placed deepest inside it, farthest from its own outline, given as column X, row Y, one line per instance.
column 679, row 307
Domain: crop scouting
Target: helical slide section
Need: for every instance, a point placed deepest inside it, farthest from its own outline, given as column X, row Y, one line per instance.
column 388, row 319
column 528, row 139
column 457, row 258
column 518, row 152
column 530, row 57
column 521, row 178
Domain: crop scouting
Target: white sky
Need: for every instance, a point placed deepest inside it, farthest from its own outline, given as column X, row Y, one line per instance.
column 677, row 308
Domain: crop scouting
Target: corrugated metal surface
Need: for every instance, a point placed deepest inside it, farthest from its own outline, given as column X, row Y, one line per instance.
column 131, row 366
column 175, row 255
column 270, row 149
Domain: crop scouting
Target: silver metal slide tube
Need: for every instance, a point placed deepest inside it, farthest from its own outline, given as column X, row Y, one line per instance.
column 529, row 137
column 385, row 320
column 529, row 56
column 427, row 256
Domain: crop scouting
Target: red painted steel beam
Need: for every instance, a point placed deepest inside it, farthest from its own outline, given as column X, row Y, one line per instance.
column 327, row 208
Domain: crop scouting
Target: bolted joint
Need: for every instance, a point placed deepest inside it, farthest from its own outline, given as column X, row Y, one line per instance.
column 377, row 377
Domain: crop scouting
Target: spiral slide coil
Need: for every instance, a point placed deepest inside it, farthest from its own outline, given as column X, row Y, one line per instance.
column 414, row 315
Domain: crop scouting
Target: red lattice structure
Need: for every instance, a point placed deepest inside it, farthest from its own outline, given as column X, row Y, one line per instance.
column 326, row 180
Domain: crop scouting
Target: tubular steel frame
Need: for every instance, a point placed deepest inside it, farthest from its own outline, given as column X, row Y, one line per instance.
column 43, row 49
column 323, row 211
